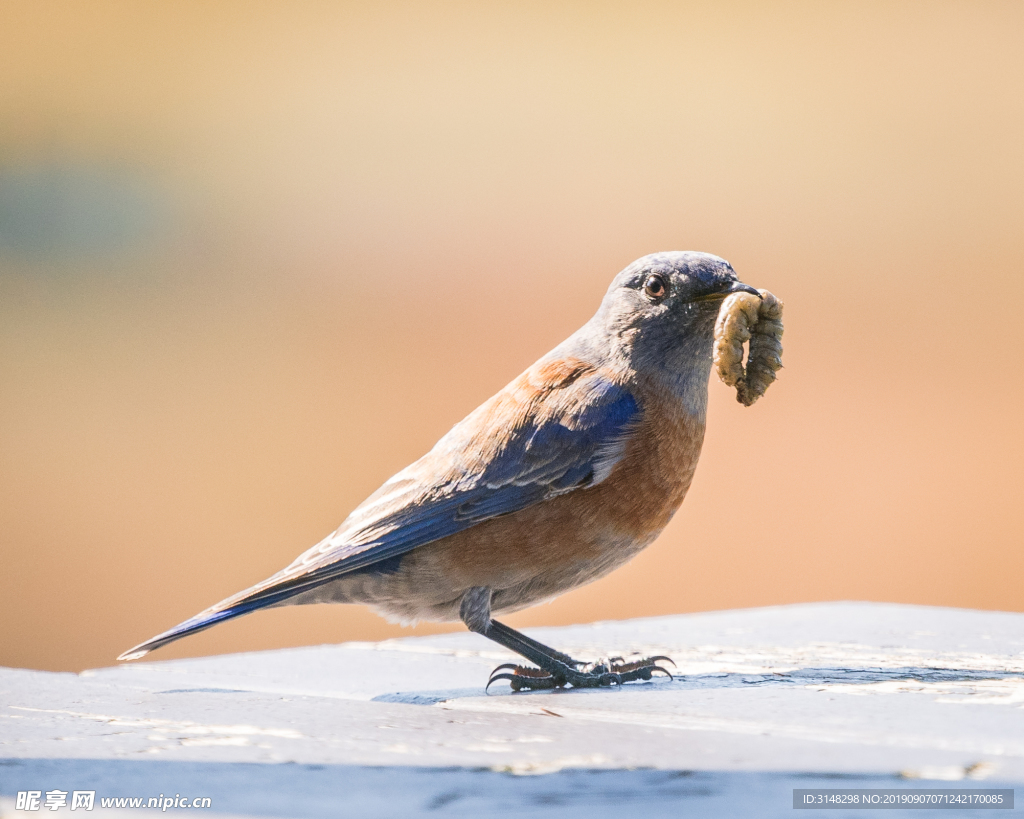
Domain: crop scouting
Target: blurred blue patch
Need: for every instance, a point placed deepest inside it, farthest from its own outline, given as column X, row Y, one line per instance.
column 61, row 211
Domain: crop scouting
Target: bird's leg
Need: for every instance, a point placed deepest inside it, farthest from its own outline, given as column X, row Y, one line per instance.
column 554, row 669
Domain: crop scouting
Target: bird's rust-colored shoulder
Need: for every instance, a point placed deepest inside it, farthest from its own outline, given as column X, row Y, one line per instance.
column 556, row 373
column 526, row 396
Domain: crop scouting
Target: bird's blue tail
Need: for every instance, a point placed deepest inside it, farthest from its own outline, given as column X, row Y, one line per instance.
column 258, row 597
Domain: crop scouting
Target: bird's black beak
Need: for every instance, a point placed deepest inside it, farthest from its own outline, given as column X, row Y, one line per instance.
column 740, row 287
column 732, row 287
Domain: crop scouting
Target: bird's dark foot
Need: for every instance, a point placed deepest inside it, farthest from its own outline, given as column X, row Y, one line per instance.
column 579, row 675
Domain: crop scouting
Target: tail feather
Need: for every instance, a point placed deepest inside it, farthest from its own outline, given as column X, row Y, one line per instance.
column 190, row 626
column 267, row 593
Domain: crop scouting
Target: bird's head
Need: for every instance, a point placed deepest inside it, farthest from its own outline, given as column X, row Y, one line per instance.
column 659, row 313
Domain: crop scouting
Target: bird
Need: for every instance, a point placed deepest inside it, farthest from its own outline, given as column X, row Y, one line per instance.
column 559, row 478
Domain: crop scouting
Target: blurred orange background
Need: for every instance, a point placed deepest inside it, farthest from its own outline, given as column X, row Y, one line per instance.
column 257, row 257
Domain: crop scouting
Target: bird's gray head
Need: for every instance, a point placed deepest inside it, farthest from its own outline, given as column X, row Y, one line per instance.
column 659, row 315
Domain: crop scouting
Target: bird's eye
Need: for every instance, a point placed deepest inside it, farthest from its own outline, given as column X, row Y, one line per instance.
column 655, row 287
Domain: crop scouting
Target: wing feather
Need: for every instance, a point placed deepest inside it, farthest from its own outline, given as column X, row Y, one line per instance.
column 560, row 426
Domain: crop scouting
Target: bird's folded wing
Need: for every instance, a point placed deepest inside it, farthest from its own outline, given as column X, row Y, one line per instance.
column 559, row 427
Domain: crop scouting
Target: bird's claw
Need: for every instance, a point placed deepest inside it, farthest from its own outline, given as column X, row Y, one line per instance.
column 601, row 674
column 525, row 677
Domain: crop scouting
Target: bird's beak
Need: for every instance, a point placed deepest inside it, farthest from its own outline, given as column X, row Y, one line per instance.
column 740, row 287
column 734, row 287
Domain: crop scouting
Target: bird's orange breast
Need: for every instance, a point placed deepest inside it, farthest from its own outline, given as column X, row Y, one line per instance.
column 553, row 546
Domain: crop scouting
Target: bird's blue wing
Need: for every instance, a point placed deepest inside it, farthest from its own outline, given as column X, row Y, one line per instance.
column 539, row 438
column 559, row 427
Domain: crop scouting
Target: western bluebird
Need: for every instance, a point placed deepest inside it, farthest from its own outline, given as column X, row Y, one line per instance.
column 565, row 474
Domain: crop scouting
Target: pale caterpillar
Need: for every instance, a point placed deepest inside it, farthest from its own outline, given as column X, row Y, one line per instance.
column 744, row 319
